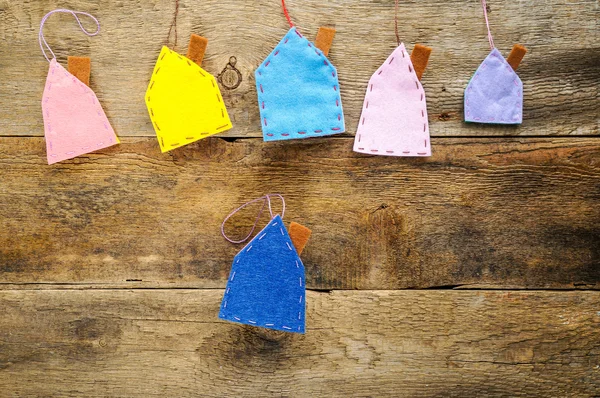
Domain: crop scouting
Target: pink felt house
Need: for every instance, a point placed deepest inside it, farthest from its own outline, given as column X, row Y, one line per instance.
column 74, row 121
column 394, row 115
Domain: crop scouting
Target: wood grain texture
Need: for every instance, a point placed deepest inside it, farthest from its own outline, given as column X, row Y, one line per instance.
column 560, row 72
column 149, row 343
column 500, row 212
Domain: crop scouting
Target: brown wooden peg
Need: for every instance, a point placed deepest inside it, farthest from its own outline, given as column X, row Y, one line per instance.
column 516, row 56
column 299, row 235
column 80, row 67
column 197, row 48
column 325, row 39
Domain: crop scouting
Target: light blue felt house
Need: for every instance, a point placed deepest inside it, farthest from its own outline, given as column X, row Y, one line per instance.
column 298, row 91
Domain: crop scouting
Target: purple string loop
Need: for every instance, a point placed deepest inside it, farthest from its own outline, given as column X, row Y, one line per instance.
column 487, row 23
column 266, row 200
column 75, row 14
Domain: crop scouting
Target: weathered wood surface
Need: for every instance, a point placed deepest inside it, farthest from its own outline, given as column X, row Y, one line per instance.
column 560, row 73
column 498, row 212
column 170, row 343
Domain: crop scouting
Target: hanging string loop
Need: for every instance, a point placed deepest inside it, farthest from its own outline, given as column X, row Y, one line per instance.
column 44, row 45
column 487, row 23
column 396, row 22
column 287, row 15
column 266, row 201
column 173, row 27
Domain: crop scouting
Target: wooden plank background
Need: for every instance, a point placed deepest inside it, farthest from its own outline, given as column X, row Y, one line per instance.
column 368, row 343
column 494, row 212
column 560, row 73
column 112, row 265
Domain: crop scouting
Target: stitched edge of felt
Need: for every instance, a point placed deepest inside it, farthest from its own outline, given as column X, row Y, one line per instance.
column 80, row 67
column 363, row 116
column 305, row 133
column 197, row 48
column 517, row 81
column 163, row 53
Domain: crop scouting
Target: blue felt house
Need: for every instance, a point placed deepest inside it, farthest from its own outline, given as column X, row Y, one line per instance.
column 266, row 284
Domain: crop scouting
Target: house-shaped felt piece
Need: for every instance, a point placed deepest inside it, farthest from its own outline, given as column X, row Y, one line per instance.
column 183, row 100
column 495, row 93
column 394, row 116
column 298, row 91
column 266, row 284
column 74, row 121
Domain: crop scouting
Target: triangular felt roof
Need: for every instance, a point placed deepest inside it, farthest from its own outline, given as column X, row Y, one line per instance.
column 74, row 121
column 266, row 284
column 495, row 93
column 394, row 115
column 184, row 102
column 298, row 91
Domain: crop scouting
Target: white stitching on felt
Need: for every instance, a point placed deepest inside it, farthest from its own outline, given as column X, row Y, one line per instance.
column 233, row 276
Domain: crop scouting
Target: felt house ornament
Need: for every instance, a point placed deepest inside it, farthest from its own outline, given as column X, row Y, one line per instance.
column 74, row 121
column 495, row 92
column 266, row 285
column 184, row 101
column 394, row 116
column 298, row 89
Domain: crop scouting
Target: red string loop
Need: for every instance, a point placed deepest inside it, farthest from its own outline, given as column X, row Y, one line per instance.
column 287, row 15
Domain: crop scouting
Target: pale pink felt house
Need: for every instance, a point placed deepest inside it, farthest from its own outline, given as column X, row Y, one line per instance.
column 394, row 115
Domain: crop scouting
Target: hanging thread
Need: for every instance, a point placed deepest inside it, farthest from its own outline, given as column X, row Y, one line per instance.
column 287, row 15
column 396, row 22
column 173, row 26
column 487, row 23
column 75, row 14
column 266, row 200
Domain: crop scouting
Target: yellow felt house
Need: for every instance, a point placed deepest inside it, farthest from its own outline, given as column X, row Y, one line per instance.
column 183, row 100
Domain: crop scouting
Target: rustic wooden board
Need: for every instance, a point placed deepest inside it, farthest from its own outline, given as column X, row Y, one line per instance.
column 560, row 74
column 497, row 212
column 149, row 343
